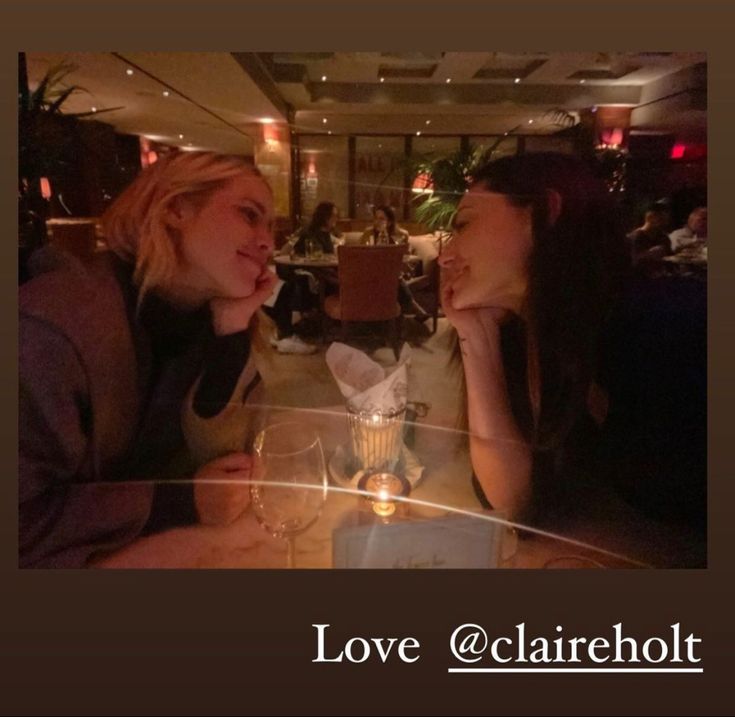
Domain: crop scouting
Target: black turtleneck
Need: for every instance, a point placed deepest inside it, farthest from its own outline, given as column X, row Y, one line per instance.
column 174, row 347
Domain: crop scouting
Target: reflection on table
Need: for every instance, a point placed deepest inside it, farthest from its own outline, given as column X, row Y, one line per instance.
column 441, row 514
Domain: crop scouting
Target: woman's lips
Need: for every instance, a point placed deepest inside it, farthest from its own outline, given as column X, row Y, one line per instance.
column 251, row 259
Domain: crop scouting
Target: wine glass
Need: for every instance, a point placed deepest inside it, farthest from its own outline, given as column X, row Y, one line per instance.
column 289, row 478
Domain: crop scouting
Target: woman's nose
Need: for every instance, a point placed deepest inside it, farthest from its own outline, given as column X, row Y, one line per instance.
column 265, row 241
column 448, row 255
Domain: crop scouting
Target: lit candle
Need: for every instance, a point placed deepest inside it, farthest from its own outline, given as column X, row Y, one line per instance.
column 383, row 489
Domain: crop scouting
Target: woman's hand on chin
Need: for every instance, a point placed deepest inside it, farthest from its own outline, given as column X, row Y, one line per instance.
column 472, row 322
column 232, row 315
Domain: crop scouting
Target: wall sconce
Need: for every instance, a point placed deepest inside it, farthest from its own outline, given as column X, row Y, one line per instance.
column 423, row 184
column 45, row 188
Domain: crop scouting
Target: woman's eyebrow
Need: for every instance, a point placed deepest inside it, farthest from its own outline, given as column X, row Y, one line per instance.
column 259, row 206
column 455, row 218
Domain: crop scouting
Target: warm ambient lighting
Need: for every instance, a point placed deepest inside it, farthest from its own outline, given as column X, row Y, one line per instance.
column 418, row 134
column 45, row 188
column 517, row 80
column 382, row 79
column 324, row 120
column 181, row 136
column 267, row 120
column 449, row 79
column 324, row 78
column 428, row 121
column 94, row 109
column 581, row 82
column 422, row 184
column 688, row 152
column 612, row 137
column 128, row 71
column 530, row 121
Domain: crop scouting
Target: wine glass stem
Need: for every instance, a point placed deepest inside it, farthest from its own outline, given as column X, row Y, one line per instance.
column 291, row 551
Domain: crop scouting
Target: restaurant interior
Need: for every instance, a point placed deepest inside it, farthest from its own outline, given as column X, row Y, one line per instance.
column 396, row 133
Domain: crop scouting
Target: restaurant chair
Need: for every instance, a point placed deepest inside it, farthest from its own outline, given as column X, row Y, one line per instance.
column 368, row 290
column 425, row 288
column 425, row 291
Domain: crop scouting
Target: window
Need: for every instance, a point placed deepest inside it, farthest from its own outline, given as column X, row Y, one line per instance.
column 323, row 173
column 380, row 165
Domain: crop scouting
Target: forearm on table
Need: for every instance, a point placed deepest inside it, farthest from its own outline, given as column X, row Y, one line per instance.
column 500, row 455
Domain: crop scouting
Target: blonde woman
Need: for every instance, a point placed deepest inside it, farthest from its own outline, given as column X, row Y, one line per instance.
column 113, row 354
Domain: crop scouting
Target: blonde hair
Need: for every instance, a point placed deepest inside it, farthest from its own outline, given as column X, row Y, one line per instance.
column 136, row 227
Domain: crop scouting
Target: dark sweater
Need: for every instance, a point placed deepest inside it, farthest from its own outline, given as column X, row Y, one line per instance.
column 101, row 395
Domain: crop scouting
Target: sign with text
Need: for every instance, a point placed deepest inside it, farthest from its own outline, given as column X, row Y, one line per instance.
column 450, row 542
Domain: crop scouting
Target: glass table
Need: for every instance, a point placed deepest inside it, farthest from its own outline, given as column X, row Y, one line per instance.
column 437, row 523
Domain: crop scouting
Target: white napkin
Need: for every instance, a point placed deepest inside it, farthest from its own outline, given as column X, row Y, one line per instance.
column 365, row 384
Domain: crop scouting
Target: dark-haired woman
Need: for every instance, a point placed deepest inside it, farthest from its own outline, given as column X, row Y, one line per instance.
column 296, row 294
column 321, row 227
column 385, row 230
column 536, row 283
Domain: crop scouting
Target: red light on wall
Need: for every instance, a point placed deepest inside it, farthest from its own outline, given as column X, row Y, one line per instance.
column 677, row 151
column 270, row 133
column 612, row 136
column 45, row 188
column 689, row 152
column 422, row 184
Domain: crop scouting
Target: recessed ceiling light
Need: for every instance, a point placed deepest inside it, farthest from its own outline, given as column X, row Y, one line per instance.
column 517, row 80
column 181, row 136
column 505, row 134
column 329, row 132
column 94, row 109
column 581, row 82
column 382, row 79
column 428, row 121
column 418, row 134
column 530, row 121
column 324, row 78
column 449, row 79
column 128, row 71
column 324, row 120
column 165, row 93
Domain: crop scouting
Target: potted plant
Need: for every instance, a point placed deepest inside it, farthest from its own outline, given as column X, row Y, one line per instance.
column 440, row 182
column 45, row 144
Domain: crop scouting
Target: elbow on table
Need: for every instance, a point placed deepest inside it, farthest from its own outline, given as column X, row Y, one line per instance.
column 504, row 474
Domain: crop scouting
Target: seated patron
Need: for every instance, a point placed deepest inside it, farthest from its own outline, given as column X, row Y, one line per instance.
column 693, row 233
column 385, row 230
column 297, row 294
column 650, row 242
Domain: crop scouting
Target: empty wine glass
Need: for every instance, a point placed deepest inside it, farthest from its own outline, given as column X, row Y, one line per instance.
column 289, row 481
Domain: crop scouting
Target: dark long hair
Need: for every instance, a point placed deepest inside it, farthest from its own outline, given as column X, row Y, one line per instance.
column 321, row 216
column 390, row 215
column 577, row 267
